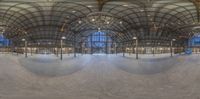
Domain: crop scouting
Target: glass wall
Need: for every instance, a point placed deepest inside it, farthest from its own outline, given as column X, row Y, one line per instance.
column 4, row 44
column 99, row 42
column 194, row 43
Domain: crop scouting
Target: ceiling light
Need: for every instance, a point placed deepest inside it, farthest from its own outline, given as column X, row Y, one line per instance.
column 125, row 5
column 73, row 11
column 100, row 19
column 23, row 39
column 79, row 21
column 99, row 29
column 134, row 38
column 142, row 10
column 197, row 27
column 93, row 20
column 148, row 43
column 120, row 22
column 63, row 38
column 89, row 6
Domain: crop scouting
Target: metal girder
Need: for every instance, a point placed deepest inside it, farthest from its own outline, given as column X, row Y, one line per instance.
column 146, row 19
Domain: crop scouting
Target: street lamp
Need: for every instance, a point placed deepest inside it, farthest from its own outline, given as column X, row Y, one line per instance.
column 23, row 39
column 25, row 44
column 134, row 38
column 136, row 46
column 63, row 38
column 172, row 46
column 116, row 48
column 61, row 46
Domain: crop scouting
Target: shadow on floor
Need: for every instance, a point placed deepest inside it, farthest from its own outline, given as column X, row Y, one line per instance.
column 52, row 66
column 145, row 66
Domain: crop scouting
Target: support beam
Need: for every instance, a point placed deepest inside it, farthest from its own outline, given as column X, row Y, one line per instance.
column 171, row 45
column 57, row 51
column 61, row 46
column 26, row 53
column 61, row 49
column 74, row 43
column 116, row 48
column 153, row 49
column 171, row 48
column 107, row 44
column 91, row 43
column 123, row 49
column 136, row 46
column 31, row 51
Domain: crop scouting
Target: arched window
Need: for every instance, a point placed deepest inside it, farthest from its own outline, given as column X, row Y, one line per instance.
column 99, row 42
column 194, row 41
column 4, row 41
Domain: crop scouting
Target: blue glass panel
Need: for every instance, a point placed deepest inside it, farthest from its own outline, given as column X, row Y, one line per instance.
column 188, row 51
column 4, row 41
column 98, row 39
column 194, row 41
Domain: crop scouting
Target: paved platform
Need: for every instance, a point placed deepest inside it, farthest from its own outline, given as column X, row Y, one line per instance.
column 100, row 77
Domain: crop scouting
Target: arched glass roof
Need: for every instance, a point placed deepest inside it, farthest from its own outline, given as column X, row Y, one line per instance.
column 49, row 20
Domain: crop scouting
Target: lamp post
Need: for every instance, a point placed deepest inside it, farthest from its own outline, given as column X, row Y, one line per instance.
column 25, row 44
column 61, row 47
column 116, row 48
column 171, row 51
column 136, row 46
column 74, row 44
column 124, row 50
column 31, row 51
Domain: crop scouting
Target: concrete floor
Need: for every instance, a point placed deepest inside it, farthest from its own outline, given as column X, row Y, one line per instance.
column 100, row 77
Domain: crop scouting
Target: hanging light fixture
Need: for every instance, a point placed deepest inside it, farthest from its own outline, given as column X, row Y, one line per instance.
column 100, row 19
column 99, row 29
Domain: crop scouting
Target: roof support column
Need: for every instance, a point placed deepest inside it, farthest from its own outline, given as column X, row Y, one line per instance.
column 61, row 49
column 123, row 49
column 136, row 48
column 171, row 45
column 26, row 55
column 74, row 43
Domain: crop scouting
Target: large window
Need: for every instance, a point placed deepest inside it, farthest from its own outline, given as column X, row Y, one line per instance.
column 195, row 41
column 99, row 42
column 4, row 41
